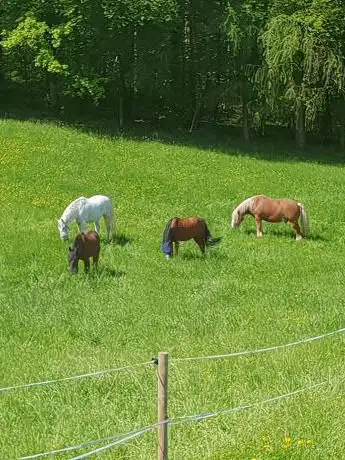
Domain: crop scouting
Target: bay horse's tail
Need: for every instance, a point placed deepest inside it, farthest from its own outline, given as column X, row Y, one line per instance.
column 304, row 220
column 208, row 238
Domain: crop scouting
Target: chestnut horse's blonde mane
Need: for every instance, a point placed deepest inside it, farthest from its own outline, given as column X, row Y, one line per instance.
column 241, row 209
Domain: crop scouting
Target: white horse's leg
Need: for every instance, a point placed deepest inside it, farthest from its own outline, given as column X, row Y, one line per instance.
column 106, row 220
column 109, row 225
column 82, row 226
column 97, row 226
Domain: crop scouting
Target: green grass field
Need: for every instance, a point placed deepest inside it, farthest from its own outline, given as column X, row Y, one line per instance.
column 244, row 294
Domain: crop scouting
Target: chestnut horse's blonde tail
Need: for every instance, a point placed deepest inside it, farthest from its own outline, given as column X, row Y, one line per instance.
column 304, row 219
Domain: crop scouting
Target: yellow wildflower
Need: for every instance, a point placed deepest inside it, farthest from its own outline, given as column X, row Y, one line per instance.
column 268, row 448
column 287, row 442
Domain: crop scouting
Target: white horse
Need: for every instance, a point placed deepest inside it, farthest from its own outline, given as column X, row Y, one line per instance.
column 84, row 210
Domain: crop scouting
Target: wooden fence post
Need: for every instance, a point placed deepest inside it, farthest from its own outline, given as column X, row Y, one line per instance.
column 162, row 374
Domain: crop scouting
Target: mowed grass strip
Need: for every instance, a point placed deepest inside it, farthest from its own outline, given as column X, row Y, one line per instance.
column 243, row 294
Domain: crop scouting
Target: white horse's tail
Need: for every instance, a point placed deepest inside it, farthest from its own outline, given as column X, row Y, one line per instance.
column 111, row 221
column 304, row 220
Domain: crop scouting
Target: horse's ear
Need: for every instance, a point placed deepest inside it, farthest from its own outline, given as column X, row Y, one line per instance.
column 69, row 248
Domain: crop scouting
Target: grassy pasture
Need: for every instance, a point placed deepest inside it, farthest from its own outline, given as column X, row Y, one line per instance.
column 244, row 294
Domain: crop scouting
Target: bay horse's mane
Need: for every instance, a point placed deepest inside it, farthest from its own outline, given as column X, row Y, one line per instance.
column 166, row 230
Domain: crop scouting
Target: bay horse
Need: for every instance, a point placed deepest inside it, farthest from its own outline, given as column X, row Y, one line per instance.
column 183, row 229
column 262, row 207
column 85, row 245
column 84, row 210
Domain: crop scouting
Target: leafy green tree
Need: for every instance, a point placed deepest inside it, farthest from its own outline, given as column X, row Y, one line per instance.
column 303, row 67
column 244, row 24
column 188, row 60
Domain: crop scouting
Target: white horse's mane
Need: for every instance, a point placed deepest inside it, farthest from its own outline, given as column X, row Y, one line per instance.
column 241, row 209
column 74, row 206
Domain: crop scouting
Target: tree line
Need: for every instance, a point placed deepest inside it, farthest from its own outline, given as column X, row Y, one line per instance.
column 252, row 63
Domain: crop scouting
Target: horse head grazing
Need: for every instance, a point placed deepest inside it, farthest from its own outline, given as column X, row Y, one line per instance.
column 167, row 244
column 85, row 246
column 240, row 212
column 236, row 219
column 63, row 229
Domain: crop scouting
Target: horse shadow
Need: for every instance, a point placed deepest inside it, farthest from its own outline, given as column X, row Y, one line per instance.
column 122, row 240
column 286, row 234
column 119, row 240
column 190, row 256
column 317, row 237
column 106, row 272
column 198, row 256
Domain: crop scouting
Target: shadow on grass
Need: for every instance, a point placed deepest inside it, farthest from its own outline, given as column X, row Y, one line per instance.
column 122, row 240
column 119, row 240
column 278, row 143
column 105, row 272
column 211, row 253
column 285, row 234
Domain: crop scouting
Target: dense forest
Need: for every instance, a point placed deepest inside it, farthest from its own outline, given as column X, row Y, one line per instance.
column 248, row 63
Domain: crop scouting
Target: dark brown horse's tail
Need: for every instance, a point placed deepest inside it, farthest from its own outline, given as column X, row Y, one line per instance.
column 208, row 238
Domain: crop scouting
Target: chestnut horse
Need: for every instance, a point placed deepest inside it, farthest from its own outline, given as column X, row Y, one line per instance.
column 272, row 210
column 184, row 229
column 85, row 245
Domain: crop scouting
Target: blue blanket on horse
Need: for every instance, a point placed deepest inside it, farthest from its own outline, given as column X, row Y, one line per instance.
column 167, row 248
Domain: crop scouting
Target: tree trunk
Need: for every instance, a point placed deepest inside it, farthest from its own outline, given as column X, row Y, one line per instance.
column 300, row 123
column 121, row 94
column 193, row 64
column 196, row 115
column 342, row 134
column 120, row 111
column 245, row 113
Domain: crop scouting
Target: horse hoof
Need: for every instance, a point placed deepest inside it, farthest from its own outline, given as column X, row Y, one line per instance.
column 168, row 257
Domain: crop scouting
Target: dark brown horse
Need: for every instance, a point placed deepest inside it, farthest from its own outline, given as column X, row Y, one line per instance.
column 184, row 229
column 85, row 245
column 272, row 210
